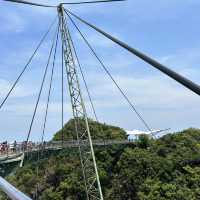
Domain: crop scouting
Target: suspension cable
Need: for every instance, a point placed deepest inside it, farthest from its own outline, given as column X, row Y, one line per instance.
column 62, row 88
column 84, row 80
column 164, row 69
column 46, row 113
column 41, row 87
column 29, row 61
column 50, row 86
column 110, row 75
column 85, row 83
column 83, row 76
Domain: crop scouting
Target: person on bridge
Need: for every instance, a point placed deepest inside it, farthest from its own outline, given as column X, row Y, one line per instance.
column 15, row 146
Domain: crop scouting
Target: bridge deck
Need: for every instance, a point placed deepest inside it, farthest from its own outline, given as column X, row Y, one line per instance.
column 18, row 155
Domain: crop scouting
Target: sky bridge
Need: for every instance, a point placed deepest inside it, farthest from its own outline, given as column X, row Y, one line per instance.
column 19, row 154
column 71, row 69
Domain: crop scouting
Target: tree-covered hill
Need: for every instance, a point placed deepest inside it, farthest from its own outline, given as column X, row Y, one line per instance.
column 98, row 131
column 163, row 169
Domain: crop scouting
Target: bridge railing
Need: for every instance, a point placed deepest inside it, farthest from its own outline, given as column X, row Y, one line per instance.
column 11, row 191
column 11, row 153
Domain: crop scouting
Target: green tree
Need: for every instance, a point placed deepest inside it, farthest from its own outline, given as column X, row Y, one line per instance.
column 98, row 131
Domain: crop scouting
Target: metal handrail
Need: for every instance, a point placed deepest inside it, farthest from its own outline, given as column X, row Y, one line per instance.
column 11, row 191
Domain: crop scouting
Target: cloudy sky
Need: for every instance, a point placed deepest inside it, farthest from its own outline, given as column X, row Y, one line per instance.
column 166, row 30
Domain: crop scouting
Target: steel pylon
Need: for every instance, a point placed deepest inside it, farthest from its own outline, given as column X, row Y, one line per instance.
column 86, row 151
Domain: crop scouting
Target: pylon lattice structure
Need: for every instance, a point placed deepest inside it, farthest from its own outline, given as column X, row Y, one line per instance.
column 87, row 156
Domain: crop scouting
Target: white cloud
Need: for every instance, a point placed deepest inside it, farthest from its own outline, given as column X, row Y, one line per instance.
column 163, row 102
column 19, row 91
column 186, row 62
column 26, row 109
column 96, row 40
column 11, row 21
column 146, row 92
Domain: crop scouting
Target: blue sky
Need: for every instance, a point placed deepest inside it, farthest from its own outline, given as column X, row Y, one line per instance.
column 166, row 30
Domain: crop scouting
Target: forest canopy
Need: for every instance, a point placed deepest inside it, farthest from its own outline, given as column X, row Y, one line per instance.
column 164, row 169
column 98, row 131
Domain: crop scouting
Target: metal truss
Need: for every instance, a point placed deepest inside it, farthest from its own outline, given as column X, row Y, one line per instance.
column 87, row 156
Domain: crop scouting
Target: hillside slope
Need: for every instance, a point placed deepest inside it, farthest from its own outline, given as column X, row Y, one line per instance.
column 163, row 169
column 98, row 131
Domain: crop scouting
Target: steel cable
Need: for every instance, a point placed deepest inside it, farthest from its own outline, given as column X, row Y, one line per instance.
column 85, row 83
column 50, row 87
column 29, row 61
column 41, row 87
column 157, row 65
column 46, row 113
column 110, row 75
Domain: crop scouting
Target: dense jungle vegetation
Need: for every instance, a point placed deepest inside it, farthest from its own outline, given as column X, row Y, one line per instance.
column 164, row 169
column 97, row 130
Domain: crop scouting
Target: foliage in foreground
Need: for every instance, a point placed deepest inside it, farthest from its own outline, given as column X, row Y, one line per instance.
column 163, row 169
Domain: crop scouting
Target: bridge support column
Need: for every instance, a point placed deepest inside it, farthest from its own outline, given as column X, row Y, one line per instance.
column 87, row 156
column 22, row 161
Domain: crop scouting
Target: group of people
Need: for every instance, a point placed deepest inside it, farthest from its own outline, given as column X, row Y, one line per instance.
column 13, row 147
column 7, row 147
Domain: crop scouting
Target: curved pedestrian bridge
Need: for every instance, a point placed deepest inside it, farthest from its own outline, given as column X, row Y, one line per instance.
column 17, row 154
